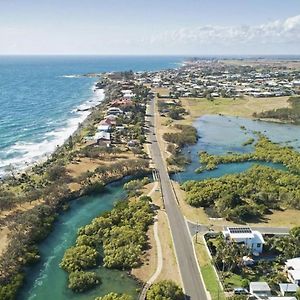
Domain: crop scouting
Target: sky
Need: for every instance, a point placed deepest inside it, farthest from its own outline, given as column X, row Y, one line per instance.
column 150, row 27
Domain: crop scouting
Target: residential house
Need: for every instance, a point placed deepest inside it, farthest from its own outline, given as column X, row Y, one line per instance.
column 114, row 111
column 294, row 276
column 244, row 235
column 122, row 103
column 104, row 127
column 292, row 267
column 260, row 289
column 127, row 94
column 111, row 119
column 103, row 138
column 288, row 288
column 108, row 121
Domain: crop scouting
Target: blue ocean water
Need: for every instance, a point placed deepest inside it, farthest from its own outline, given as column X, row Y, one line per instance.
column 39, row 98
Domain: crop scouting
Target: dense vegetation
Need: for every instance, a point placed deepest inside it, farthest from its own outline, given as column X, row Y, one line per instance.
column 186, row 136
column 165, row 290
column 288, row 114
column 28, row 228
column 121, row 233
column 251, row 194
column 172, row 108
column 265, row 150
column 80, row 281
column 8, row 291
column 246, row 196
column 79, row 258
column 286, row 246
column 114, row 296
column 31, row 226
column 133, row 187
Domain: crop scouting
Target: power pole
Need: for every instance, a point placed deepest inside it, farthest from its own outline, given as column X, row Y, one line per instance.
column 197, row 230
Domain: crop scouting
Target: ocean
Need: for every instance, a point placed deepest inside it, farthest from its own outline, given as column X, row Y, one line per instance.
column 40, row 97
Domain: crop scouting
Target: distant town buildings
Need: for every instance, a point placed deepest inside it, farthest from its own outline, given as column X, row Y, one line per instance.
column 213, row 79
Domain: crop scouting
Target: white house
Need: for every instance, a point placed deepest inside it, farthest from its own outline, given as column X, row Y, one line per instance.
column 102, row 138
column 260, row 289
column 127, row 94
column 114, row 111
column 292, row 267
column 293, row 264
column 104, row 127
column 294, row 276
column 287, row 288
column 244, row 235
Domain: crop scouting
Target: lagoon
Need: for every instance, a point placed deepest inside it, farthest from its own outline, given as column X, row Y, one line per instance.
column 222, row 134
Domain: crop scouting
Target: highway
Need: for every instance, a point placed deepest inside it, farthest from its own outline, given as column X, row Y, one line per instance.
column 188, row 266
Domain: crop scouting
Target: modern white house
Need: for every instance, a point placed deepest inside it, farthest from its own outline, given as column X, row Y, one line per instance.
column 260, row 289
column 245, row 235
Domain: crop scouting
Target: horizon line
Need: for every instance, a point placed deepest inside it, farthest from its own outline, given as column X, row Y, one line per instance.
column 189, row 55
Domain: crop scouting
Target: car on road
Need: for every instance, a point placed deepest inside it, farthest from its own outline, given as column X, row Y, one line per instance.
column 240, row 291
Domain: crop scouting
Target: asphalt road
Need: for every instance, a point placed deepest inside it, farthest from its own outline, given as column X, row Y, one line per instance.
column 264, row 230
column 188, row 266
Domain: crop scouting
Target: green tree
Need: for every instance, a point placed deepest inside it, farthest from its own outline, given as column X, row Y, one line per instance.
column 165, row 290
column 80, row 281
column 78, row 258
column 114, row 296
column 8, row 291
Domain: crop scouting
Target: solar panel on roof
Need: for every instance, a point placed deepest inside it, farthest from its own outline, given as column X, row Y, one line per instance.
column 240, row 230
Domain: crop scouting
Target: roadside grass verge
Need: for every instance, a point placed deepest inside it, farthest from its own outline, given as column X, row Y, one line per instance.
column 209, row 276
column 211, row 283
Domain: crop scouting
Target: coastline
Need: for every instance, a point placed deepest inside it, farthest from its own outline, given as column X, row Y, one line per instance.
column 60, row 136
column 111, row 167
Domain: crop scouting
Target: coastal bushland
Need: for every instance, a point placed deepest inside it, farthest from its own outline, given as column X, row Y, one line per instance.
column 187, row 135
column 118, row 236
column 287, row 114
column 114, row 296
column 254, row 193
column 165, row 289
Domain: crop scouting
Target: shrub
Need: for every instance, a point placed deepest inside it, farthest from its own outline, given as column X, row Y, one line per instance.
column 166, row 290
column 78, row 258
column 55, row 172
column 81, row 281
column 114, row 296
column 93, row 188
column 9, row 291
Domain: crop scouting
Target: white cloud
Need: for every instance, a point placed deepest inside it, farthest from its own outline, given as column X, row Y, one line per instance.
column 280, row 33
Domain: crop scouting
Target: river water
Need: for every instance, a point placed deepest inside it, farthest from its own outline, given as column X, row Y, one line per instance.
column 47, row 281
